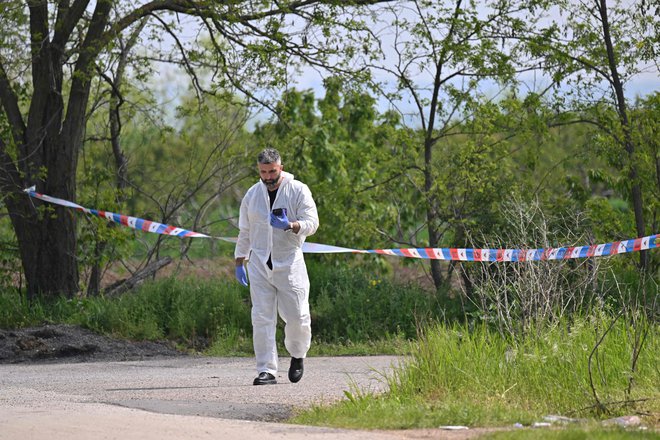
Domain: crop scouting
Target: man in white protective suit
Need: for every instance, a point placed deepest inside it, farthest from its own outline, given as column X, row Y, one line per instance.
column 277, row 214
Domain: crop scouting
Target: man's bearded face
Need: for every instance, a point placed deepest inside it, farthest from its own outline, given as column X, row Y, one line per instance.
column 270, row 174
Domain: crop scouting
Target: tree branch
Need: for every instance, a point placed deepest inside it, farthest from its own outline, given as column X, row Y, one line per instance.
column 186, row 63
column 9, row 102
column 67, row 18
column 205, row 10
column 82, row 75
column 10, row 181
column 389, row 179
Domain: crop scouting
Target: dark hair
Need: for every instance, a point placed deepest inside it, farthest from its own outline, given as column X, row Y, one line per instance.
column 269, row 155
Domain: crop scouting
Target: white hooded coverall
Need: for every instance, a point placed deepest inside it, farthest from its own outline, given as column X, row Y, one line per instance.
column 285, row 288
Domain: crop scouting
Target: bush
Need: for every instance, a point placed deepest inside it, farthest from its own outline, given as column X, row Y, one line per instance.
column 355, row 305
column 188, row 311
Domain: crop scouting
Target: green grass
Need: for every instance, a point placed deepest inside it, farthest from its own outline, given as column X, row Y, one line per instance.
column 392, row 345
column 474, row 377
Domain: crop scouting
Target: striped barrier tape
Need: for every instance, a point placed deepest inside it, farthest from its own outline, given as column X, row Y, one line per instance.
column 449, row 254
column 125, row 220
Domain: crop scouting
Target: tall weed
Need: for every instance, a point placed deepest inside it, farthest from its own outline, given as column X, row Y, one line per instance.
column 189, row 311
column 546, row 373
column 16, row 311
column 522, row 297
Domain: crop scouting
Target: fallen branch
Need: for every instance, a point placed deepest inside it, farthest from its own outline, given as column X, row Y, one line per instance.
column 121, row 286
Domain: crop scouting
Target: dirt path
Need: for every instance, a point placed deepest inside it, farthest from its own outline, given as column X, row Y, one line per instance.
column 182, row 397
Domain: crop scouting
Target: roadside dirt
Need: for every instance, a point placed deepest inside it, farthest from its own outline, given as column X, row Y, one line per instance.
column 69, row 343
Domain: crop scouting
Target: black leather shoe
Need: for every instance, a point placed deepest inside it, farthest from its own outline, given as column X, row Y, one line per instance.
column 296, row 369
column 264, row 379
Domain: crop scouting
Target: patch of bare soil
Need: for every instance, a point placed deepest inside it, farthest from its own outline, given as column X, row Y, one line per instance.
column 70, row 343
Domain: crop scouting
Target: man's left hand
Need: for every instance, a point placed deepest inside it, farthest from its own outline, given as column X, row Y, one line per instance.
column 280, row 221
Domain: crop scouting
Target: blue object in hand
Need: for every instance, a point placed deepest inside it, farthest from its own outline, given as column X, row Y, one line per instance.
column 279, row 220
column 241, row 275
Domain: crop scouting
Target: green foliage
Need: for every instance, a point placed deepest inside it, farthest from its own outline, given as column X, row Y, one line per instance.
column 609, row 218
column 341, row 148
column 352, row 305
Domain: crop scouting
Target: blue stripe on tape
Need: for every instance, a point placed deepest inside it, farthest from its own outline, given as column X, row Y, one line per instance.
column 422, row 253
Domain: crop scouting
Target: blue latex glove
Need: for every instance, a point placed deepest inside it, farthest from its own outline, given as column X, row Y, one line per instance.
column 241, row 275
column 280, row 221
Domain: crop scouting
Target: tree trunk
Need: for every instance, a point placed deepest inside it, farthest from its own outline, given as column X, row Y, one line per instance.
column 47, row 145
column 94, row 284
column 116, row 101
column 429, row 142
column 436, row 270
column 431, row 214
column 46, row 238
column 636, row 189
column 46, row 247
